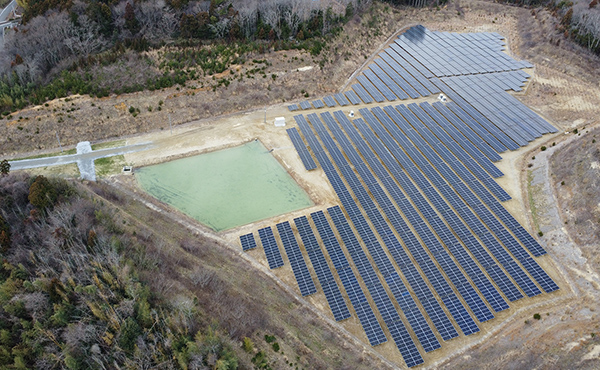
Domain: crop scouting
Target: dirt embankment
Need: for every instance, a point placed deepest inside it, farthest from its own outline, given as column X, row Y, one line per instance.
column 576, row 177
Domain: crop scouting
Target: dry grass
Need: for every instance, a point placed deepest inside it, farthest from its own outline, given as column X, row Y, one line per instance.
column 578, row 167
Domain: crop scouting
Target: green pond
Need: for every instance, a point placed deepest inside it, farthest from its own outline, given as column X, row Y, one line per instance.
column 226, row 188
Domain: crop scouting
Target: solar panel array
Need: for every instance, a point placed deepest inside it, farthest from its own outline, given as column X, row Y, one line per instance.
column 421, row 217
column 470, row 68
column 414, row 173
column 504, row 111
column 248, row 242
column 334, row 297
column 443, row 54
column 292, row 249
column 305, row 157
column 270, row 247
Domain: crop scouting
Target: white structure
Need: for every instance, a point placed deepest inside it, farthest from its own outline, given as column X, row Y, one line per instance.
column 279, row 121
column 351, row 113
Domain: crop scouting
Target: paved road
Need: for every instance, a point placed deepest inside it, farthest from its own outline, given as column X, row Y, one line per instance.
column 74, row 158
column 4, row 22
column 7, row 11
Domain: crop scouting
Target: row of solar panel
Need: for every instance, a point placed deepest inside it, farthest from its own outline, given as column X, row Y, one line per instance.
column 500, row 230
column 338, row 155
column 379, row 146
column 305, row 157
column 390, row 77
column 383, row 303
column 491, row 40
column 428, row 238
column 497, row 101
column 451, row 196
column 453, row 54
column 509, row 120
column 301, row 272
column 511, row 80
column 425, row 143
column 495, row 104
column 353, row 289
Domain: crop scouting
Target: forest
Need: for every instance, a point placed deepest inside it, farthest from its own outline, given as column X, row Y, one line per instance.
column 73, row 293
column 91, row 278
column 49, row 55
column 62, row 44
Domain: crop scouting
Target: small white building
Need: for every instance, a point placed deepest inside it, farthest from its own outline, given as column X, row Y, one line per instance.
column 279, row 121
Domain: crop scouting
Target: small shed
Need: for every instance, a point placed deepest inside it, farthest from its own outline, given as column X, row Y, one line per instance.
column 279, row 121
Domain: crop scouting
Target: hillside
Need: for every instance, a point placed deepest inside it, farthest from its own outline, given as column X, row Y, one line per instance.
column 89, row 279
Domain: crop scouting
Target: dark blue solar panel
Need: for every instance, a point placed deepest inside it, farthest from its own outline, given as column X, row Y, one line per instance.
column 332, row 292
column 247, row 241
column 461, row 140
column 329, row 101
column 318, row 104
column 305, row 157
column 341, row 99
column 293, row 107
column 305, row 105
column 303, row 278
column 383, row 229
column 389, row 314
column 270, row 247
column 451, row 269
column 364, row 95
column 470, row 134
column 351, row 95
column 473, row 222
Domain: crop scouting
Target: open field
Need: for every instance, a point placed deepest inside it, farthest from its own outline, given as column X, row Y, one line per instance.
column 567, row 94
column 226, row 188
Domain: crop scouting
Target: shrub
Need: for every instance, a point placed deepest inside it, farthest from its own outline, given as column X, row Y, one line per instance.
column 543, row 148
column 41, row 193
column 269, row 338
column 537, row 316
column 540, row 233
column 276, row 347
column 247, row 345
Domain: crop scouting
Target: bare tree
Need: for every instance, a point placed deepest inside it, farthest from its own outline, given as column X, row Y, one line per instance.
column 157, row 20
column 271, row 12
column 221, row 28
column 248, row 15
column 84, row 38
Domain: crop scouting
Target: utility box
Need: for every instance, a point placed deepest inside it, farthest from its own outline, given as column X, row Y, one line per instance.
column 279, row 121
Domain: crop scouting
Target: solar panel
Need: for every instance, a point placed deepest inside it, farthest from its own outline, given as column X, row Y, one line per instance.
column 390, row 162
column 247, row 242
column 305, row 157
column 329, row 101
column 270, row 247
column 318, row 104
column 383, row 229
column 352, row 97
column 341, row 99
column 305, row 105
column 293, row 107
column 364, row 95
column 326, row 279
column 292, row 249
column 425, row 233
column 422, row 181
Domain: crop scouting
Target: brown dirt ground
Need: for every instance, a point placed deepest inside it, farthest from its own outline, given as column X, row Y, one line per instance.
column 563, row 89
